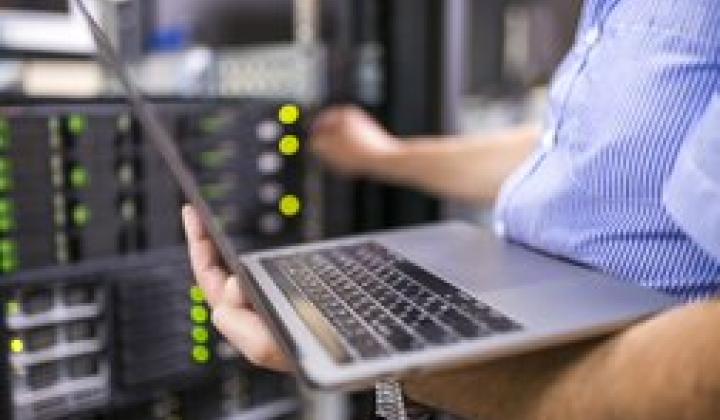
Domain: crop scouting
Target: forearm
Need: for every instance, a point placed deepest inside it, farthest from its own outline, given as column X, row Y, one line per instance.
column 665, row 368
column 471, row 169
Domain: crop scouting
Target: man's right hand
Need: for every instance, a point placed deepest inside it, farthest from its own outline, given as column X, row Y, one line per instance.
column 351, row 142
column 231, row 312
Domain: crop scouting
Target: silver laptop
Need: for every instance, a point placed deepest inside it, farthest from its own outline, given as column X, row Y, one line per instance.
column 352, row 311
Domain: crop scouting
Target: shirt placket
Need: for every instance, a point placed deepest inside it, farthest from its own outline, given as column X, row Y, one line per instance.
column 564, row 85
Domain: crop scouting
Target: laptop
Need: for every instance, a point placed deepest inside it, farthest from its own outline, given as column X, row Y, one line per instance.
column 353, row 311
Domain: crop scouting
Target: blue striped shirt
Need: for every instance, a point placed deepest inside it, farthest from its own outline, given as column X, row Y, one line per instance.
column 623, row 104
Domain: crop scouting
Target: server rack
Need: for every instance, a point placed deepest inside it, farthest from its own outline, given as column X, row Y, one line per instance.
column 100, row 315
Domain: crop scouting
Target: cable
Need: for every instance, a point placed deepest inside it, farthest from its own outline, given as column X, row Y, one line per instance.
column 389, row 402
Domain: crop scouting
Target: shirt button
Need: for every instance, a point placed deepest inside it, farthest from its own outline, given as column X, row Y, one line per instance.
column 549, row 139
column 592, row 36
column 499, row 228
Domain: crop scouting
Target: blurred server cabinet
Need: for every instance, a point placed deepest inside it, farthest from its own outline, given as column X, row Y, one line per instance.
column 386, row 56
column 125, row 338
column 80, row 181
column 100, row 314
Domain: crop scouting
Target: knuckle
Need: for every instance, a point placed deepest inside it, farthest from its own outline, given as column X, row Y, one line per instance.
column 218, row 317
column 346, row 116
column 262, row 356
column 318, row 141
column 201, row 275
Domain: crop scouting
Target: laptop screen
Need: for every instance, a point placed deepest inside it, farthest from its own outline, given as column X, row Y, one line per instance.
column 165, row 145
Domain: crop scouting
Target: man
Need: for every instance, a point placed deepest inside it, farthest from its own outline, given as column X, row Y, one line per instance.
column 623, row 179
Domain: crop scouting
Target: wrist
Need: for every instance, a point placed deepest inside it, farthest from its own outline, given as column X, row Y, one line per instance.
column 380, row 161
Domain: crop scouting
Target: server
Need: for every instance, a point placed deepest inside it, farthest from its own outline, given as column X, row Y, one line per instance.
column 101, row 316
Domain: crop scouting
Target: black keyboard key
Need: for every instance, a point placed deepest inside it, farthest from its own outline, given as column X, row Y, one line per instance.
column 461, row 324
column 483, row 313
column 410, row 315
column 432, row 331
column 501, row 323
column 425, row 278
column 353, row 332
column 368, row 347
column 395, row 335
column 477, row 312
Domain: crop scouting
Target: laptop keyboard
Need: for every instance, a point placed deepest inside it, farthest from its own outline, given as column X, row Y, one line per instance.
column 381, row 303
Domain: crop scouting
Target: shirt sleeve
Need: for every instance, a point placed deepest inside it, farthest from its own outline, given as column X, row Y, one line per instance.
column 692, row 193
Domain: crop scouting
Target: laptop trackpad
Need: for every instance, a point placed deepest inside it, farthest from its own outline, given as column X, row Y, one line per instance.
column 470, row 258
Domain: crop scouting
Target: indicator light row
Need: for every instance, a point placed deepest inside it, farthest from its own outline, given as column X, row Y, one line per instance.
column 9, row 260
column 6, row 180
column 49, row 336
column 288, row 144
column 200, row 332
column 5, row 135
column 68, row 179
column 289, row 205
column 130, row 199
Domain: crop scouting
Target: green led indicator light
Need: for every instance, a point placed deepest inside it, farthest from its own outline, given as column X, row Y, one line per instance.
column 7, row 224
column 81, row 215
column 200, row 335
column 17, row 345
column 4, row 134
column 8, row 248
column 290, row 206
column 79, row 177
column 289, row 145
column 6, row 207
column 6, row 184
column 197, row 295
column 5, row 166
column 199, row 314
column 8, row 265
column 211, row 125
column 201, row 354
column 77, row 124
column 215, row 191
column 214, row 158
column 289, row 114
column 12, row 308
column 8, row 256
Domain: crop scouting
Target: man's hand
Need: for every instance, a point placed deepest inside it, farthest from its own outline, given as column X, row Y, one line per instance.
column 231, row 313
column 351, row 141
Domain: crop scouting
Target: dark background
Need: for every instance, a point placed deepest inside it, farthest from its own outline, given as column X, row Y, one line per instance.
column 41, row 5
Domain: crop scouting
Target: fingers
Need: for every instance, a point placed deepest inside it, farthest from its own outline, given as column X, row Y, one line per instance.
column 232, row 314
column 337, row 139
column 193, row 226
column 334, row 118
column 246, row 332
column 204, row 260
column 233, row 294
